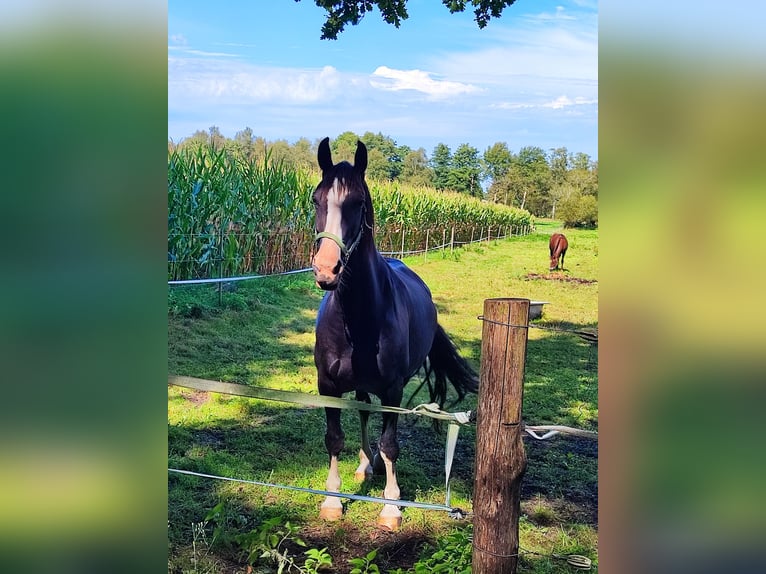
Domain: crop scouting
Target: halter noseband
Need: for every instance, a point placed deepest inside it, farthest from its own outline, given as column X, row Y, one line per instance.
column 345, row 251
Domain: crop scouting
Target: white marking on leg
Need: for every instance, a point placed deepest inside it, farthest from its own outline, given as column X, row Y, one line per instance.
column 391, row 491
column 332, row 508
column 364, row 470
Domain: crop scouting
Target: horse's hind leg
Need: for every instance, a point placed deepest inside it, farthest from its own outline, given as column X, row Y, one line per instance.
column 364, row 470
column 390, row 517
column 332, row 508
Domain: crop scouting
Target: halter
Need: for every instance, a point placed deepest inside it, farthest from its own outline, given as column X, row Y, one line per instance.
column 345, row 251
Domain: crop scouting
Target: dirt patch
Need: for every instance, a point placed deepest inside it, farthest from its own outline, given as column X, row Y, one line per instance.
column 197, row 398
column 395, row 549
column 559, row 276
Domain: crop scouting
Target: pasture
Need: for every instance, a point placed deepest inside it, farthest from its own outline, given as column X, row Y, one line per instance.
column 262, row 334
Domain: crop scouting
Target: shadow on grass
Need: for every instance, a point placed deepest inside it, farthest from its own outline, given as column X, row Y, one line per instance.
column 284, row 444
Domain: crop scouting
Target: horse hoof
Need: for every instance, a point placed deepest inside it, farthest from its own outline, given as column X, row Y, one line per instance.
column 392, row 523
column 361, row 476
column 330, row 513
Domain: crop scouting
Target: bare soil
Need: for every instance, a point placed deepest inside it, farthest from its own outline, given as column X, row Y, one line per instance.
column 559, row 276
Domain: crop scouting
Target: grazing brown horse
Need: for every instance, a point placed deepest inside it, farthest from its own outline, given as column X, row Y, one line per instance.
column 376, row 327
column 558, row 247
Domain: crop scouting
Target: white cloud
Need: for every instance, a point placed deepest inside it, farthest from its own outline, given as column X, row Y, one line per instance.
column 211, row 54
column 560, row 14
column 214, row 82
column 559, row 103
column 564, row 102
column 419, row 81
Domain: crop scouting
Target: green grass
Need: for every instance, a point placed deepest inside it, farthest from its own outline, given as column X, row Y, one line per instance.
column 262, row 334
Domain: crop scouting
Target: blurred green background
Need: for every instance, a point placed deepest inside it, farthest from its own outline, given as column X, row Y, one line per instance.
column 82, row 288
column 83, row 295
column 682, row 134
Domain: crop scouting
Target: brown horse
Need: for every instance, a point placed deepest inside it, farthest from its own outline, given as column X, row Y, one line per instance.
column 558, row 247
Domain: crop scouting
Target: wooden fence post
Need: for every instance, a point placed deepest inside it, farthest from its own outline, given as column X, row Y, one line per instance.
column 500, row 456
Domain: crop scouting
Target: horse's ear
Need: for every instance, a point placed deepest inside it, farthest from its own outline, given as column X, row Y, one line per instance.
column 324, row 155
column 360, row 157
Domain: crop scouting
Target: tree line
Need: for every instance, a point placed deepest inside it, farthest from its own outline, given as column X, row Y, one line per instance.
column 556, row 184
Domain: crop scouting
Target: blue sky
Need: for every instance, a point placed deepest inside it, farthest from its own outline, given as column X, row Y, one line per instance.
column 529, row 78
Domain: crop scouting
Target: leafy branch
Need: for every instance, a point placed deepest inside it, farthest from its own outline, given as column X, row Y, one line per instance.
column 343, row 12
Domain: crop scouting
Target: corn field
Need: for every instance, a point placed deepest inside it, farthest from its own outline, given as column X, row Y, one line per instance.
column 228, row 216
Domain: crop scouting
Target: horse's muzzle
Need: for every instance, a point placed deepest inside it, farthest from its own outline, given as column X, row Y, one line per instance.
column 327, row 279
column 327, row 285
column 327, row 265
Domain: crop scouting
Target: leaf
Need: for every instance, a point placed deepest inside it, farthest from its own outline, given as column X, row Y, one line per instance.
column 215, row 512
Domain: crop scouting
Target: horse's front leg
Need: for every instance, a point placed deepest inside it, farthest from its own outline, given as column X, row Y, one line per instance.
column 332, row 508
column 390, row 517
column 364, row 470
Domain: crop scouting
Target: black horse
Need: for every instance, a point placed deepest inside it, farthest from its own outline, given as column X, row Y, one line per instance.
column 375, row 329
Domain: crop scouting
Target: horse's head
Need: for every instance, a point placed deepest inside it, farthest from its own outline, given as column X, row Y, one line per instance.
column 342, row 202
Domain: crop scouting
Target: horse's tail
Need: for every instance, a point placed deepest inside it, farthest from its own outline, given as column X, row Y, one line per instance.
column 444, row 363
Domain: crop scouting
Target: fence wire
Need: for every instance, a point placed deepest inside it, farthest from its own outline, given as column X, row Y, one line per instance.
column 232, row 256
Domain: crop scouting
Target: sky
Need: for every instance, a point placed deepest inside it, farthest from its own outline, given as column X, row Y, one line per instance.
column 530, row 78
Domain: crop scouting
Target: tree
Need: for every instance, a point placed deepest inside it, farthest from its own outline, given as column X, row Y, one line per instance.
column 304, row 154
column 344, row 147
column 497, row 161
column 513, row 188
column 581, row 160
column 560, row 192
column 415, row 170
column 584, row 181
column 343, row 12
column 559, row 163
column 244, row 143
column 200, row 137
column 441, row 164
column 536, row 173
column 260, row 145
column 280, row 151
column 466, row 171
column 390, row 151
column 579, row 210
column 377, row 165
column 217, row 139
